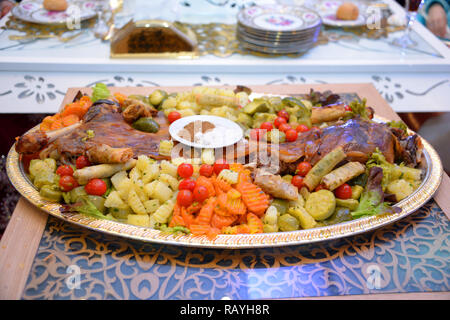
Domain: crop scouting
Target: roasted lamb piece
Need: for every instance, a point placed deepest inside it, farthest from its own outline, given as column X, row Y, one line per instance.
column 103, row 134
column 359, row 139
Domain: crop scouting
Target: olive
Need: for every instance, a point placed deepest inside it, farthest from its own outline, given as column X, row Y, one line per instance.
column 157, row 97
column 51, row 192
column 146, row 124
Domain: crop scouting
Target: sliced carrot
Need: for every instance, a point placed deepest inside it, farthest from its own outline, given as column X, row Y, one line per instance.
column 199, row 229
column 212, row 233
column 57, row 124
column 243, row 228
column 187, row 216
column 236, row 206
column 244, row 176
column 86, row 102
column 237, row 229
column 254, row 223
column 120, row 97
column 223, row 185
column 217, row 189
column 74, row 108
column 177, row 219
column 206, row 212
column 254, row 198
column 219, row 221
column 194, row 208
column 70, row 120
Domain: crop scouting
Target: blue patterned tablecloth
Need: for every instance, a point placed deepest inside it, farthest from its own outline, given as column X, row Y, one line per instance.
column 411, row 255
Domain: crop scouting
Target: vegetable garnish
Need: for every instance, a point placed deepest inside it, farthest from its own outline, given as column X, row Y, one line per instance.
column 100, row 91
column 85, row 206
column 372, row 199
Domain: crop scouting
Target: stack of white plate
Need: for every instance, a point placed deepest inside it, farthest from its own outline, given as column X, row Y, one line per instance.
column 278, row 29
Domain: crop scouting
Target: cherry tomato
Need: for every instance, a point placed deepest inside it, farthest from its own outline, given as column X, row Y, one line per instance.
column 96, row 187
column 343, row 192
column 67, row 183
column 219, row 165
column 291, row 135
column 185, row 170
column 186, row 184
column 283, row 114
column 64, row 170
column 206, row 170
column 302, row 128
column 173, row 116
column 348, row 108
column 185, row 198
column 200, row 193
column 81, row 162
column 303, row 168
column 266, row 126
column 284, row 127
column 279, row 121
column 297, row 181
column 256, row 134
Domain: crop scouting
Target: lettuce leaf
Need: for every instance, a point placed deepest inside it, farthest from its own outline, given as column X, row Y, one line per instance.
column 372, row 199
column 86, row 207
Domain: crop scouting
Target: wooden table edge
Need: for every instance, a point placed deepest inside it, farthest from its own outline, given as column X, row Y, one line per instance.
column 17, row 251
column 18, row 248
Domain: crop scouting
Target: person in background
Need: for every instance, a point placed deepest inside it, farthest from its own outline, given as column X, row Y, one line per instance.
column 5, row 7
column 436, row 17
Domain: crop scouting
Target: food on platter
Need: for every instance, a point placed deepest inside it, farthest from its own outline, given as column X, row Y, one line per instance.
column 111, row 156
column 55, row 5
column 347, row 11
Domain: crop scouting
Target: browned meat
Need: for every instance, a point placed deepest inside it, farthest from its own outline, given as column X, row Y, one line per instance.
column 134, row 109
column 31, row 143
column 109, row 128
column 359, row 139
column 275, row 185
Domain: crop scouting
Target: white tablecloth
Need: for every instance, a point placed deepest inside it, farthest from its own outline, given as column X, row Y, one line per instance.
column 34, row 75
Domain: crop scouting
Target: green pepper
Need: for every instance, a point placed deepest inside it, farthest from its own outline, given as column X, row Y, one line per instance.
column 76, row 193
column 157, row 97
column 146, row 124
column 339, row 215
column 351, row 204
column 98, row 202
column 51, row 193
column 286, row 222
column 297, row 108
column 281, row 205
column 45, row 178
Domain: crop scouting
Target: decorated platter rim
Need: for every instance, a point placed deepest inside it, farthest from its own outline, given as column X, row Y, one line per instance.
column 416, row 200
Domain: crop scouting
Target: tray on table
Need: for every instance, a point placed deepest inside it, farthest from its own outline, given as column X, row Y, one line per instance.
column 52, row 241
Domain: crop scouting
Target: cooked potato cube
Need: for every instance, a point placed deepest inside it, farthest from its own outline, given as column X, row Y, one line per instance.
column 139, row 220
